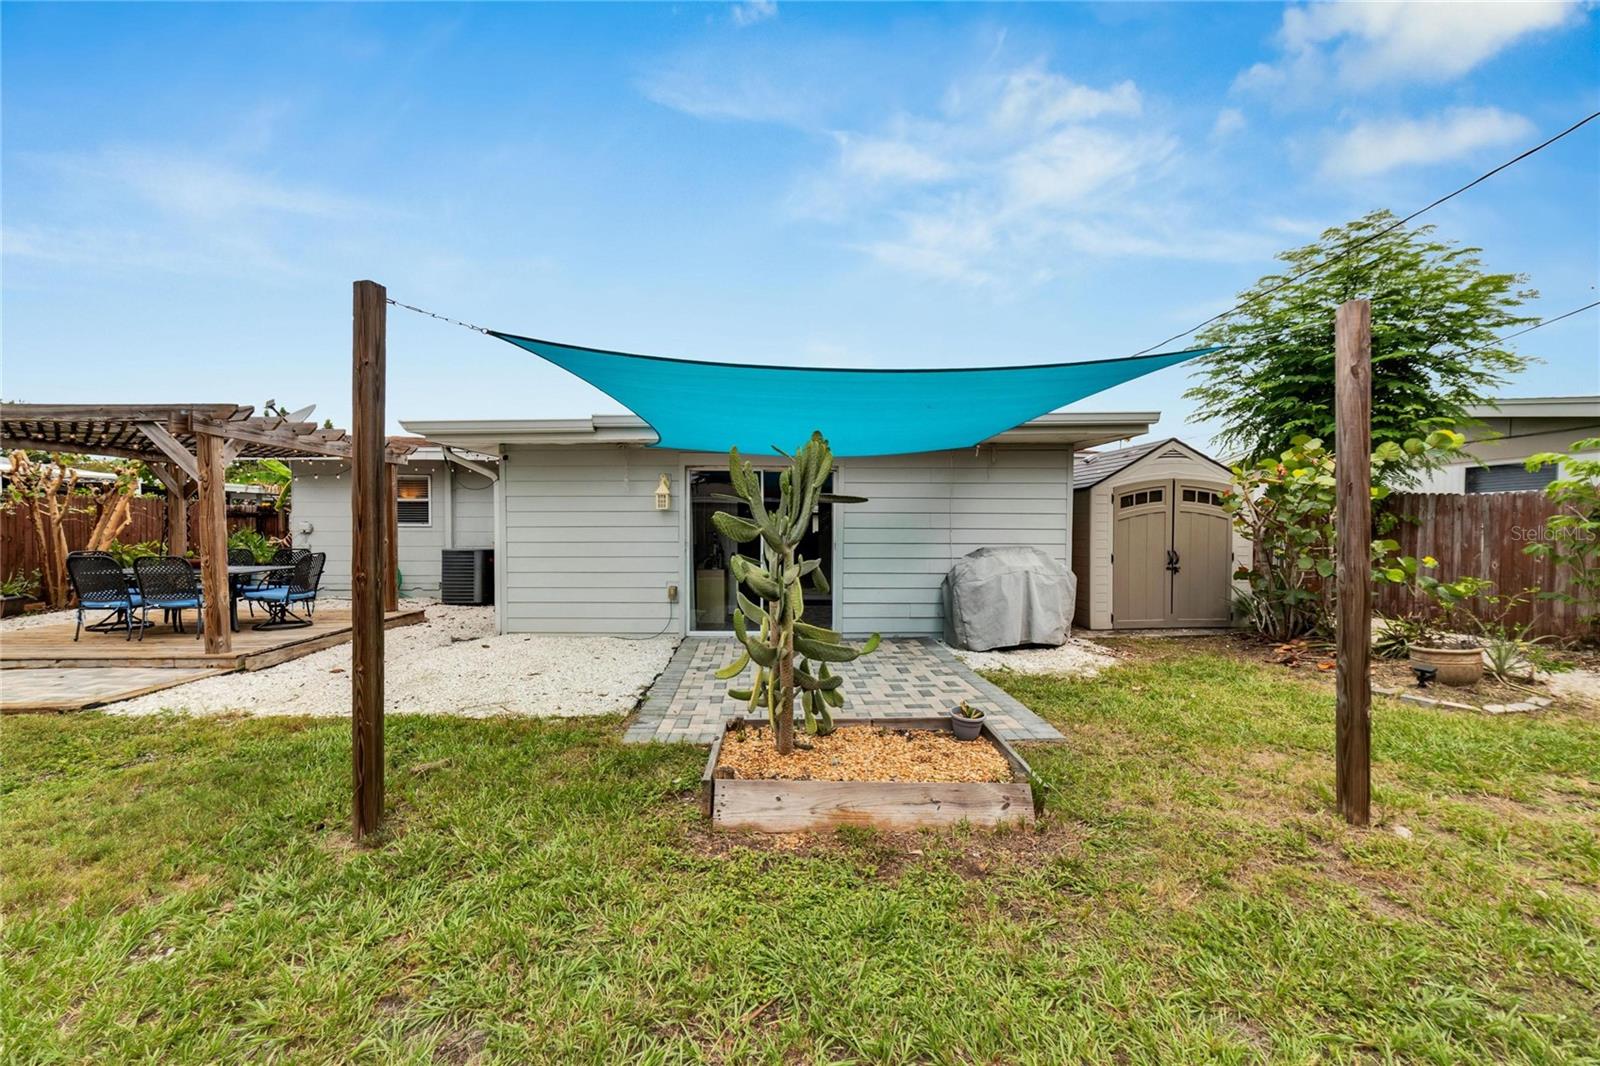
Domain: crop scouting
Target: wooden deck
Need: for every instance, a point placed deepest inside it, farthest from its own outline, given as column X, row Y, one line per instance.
column 39, row 691
column 52, row 647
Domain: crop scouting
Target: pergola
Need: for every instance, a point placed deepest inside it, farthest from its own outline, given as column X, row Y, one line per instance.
column 191, row 445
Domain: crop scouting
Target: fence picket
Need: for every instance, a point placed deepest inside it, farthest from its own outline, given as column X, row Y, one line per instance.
column 1482, row 535
column 19, row 549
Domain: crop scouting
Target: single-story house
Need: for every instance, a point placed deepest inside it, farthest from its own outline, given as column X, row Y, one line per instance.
column 1508, row 432
column 599, row 532
column 1151, row 544
column 445, row 499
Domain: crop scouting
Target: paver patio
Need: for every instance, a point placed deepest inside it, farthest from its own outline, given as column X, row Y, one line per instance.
column 905, row 678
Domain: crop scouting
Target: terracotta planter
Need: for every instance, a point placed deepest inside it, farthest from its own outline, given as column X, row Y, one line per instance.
column 1457, row 666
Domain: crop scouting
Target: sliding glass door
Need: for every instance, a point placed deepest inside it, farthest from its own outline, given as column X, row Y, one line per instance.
column 712, row 586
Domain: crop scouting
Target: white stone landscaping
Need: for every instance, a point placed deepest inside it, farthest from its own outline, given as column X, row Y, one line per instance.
column 450, row 664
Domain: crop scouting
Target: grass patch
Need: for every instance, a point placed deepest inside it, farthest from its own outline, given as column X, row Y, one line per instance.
column 185, row 890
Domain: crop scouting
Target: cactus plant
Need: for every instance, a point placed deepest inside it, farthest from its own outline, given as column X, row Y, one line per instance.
column 769, row 621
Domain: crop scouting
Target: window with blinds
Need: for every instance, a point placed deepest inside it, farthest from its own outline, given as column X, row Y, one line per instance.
column 414, row 500
column 1508, row 477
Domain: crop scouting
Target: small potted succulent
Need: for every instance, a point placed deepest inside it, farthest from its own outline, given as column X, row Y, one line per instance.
column 967, row 721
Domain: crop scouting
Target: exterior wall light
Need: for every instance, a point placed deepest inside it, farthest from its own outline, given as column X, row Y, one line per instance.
column 664, row 494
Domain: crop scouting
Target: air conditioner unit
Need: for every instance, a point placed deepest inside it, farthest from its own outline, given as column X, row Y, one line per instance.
column 466, row 576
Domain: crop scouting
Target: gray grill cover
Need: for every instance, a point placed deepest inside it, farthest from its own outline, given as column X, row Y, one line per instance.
column 1002, row 597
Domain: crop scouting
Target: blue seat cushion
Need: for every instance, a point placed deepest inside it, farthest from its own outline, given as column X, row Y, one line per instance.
column 279, row 594
column 175, row 605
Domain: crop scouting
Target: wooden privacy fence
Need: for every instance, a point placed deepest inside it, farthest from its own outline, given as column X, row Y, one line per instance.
column 19, row 548
column 1483, row 535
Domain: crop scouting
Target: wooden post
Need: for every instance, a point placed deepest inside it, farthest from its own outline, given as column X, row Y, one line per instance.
column 177, row 510
column 214, row 543
column 1353, row 555
column 391, row 541
column 369, row 480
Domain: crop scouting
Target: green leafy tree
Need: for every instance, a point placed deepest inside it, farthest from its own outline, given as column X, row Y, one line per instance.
column 1435, row 315
column 1285, row 506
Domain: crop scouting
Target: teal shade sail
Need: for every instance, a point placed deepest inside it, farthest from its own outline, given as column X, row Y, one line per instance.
column 702, row 406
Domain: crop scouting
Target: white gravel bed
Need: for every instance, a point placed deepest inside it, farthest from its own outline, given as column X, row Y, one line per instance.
column 450, row 664
column 1076, row 658
column 40, row 618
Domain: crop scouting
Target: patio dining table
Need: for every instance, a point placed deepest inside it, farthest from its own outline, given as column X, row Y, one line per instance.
column 238, row 574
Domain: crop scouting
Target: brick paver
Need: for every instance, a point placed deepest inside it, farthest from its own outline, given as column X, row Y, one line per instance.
column 905, row 678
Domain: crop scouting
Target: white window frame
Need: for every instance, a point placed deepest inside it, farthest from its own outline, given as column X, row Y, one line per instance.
column 401, row 522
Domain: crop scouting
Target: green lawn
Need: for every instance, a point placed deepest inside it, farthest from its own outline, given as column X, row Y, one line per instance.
column 185, row 891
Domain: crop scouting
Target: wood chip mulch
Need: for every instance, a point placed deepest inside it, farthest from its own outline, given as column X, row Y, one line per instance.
column 865, row 753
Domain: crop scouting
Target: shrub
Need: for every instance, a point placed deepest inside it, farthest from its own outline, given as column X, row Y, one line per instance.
column 1574, row 531
column 1286, row 507
column 257, row 544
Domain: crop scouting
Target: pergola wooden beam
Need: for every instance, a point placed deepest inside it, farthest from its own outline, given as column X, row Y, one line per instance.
column 171, row 447
column 193, row 443
column 34, row 444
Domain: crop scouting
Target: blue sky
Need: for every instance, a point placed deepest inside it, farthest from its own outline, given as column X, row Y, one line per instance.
column 189, row 190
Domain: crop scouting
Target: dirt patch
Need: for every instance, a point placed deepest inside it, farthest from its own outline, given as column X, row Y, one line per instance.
column 865, row 754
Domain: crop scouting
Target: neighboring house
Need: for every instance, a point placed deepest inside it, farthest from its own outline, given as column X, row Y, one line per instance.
column 445, row 500
column 588, row 541
column 1151, row 544
column 1511, row 430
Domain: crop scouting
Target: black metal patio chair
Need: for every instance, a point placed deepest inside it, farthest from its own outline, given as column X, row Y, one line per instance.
column 100, row 585
column 169, row 583
column 285, row 557
column 301, row 591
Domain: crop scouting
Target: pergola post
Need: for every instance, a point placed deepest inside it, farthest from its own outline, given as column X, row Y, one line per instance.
column 391, row 540
column 367, row 555
column 214, row 543
column 177, row 515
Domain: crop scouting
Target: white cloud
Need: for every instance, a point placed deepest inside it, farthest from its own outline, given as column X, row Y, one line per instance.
column 1035, row 99
column 889, row 159
column 194, row 186
column 1381, row 145
column 750, row 12
column 708, row 86
column 176, row 211
column 1012, row 169
column 1363, row 45
column 1230, row 120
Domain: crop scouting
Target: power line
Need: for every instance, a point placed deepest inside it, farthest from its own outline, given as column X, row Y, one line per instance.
column 1369, row 238
column 1537, row 325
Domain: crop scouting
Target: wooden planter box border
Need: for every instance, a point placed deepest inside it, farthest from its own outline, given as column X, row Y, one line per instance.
column 791, row 806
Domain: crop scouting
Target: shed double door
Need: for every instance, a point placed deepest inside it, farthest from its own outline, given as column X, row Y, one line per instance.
column 1171, row 556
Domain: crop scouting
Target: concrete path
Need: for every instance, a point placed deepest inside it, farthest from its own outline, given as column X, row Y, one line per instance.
column 907, row 678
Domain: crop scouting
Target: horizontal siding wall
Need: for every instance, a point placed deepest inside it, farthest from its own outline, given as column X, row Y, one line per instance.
column 471, row 509
column 321, row 501
column 925, row 512
column 585, row 549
